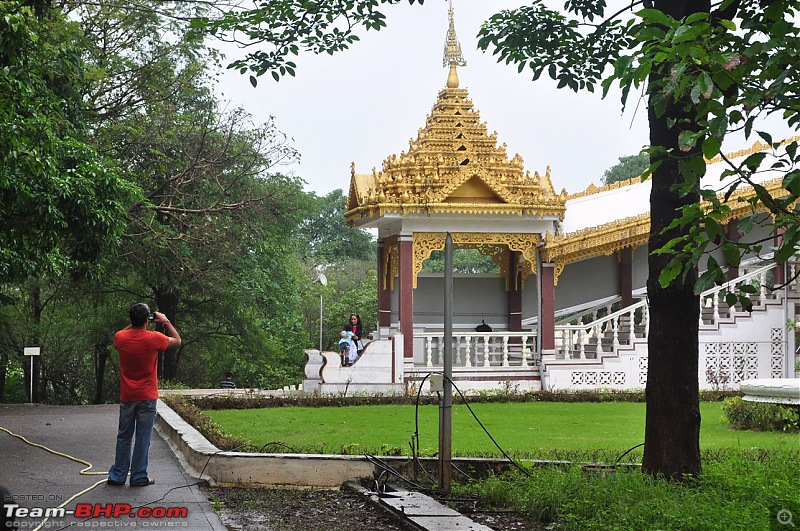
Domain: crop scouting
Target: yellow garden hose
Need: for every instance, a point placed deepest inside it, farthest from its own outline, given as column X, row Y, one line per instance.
column 85, row 472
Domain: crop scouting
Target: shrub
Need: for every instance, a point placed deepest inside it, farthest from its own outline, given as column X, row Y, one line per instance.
column 737, row 489
column 760, row 416
column 210, row 429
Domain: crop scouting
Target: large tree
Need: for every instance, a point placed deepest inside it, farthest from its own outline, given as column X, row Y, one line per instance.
column 687, row 56
column 628, row 167
column 51, row 177
column 324, row 236
column 209, row 199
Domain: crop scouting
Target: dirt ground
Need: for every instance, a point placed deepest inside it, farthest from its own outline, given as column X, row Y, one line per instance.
column 325, row 510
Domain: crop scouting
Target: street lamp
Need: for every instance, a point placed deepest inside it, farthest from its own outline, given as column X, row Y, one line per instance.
column 322, row 279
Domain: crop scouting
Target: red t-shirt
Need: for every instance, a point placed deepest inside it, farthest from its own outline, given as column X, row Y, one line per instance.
column 138, row 362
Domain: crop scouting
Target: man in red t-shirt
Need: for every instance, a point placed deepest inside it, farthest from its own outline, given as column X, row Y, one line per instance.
column 138, row 350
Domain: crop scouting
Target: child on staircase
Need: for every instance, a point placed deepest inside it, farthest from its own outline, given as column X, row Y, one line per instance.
column 345, row 343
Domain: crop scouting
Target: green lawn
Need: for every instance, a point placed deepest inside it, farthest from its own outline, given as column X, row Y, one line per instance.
column 520, row 428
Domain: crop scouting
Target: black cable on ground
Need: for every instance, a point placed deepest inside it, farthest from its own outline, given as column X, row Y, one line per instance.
column 466, row 403
column 380, row 463
column 626, row 452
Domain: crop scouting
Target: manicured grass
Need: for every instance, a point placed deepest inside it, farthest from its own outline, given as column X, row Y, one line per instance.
column 749, row 479
column 524, row 429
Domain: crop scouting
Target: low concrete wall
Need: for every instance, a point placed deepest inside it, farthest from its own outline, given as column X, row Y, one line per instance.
column 203, row 460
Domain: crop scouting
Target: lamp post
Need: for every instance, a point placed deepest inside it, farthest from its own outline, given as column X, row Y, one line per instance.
column 322, row 279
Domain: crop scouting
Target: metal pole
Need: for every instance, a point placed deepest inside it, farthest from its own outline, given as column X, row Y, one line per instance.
column 31, row 379
column 320, row 324
column 446, row 407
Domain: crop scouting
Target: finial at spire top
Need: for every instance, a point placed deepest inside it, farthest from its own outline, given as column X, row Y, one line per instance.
column 452, row 51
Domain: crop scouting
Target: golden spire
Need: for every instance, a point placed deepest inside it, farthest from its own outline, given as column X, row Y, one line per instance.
column 452, row 51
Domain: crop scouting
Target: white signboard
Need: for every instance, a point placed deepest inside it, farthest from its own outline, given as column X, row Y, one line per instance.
column 32, row 351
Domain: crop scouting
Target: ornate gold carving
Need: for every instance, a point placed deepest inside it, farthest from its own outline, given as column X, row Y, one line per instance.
column 451, row 151
column 757, row 147
column 394, row 264
column 427, row 242
column 500, row 255
column 424, row 244
column 740, row 206
column 452, row 48
column 634, row 231
column 593, row 241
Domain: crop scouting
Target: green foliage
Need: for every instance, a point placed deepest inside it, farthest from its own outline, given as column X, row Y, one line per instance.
column 464, row 261
column 51, row 178
column 324, row 236
column 279, row 29
column 761, row 416
column 738, row 489
column 719, row 71
column 211, row 232
column 540, row 39
column 629, row 167
column 14, row 391
column 503, row 395
column 726, row 70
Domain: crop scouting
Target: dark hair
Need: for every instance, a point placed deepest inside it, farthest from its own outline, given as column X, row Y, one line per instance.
column 229, row 374
column 347, row 327
column 138, row 314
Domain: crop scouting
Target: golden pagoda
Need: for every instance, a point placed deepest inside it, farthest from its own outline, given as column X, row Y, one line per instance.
column 452, row 167
column 454, row 178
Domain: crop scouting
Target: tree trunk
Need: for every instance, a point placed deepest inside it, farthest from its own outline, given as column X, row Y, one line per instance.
column 101, row 355
column 4, row 361
column 167, row 301
column 36, row 387
column 672, row 426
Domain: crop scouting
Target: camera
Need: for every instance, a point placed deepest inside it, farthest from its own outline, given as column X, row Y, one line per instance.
column 151, row 317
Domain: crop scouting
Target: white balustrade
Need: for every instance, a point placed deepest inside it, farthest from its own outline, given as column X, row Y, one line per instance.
column 481, row 350
column 580, row 336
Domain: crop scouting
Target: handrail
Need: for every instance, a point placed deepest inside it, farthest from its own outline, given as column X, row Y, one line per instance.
column 580, row 334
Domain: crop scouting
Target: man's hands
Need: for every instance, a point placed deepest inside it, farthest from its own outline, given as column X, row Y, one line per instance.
column 160, row 318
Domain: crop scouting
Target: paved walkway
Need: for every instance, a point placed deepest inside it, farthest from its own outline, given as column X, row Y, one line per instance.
column 40, row 479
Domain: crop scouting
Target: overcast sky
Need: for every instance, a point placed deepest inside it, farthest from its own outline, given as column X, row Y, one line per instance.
column 364, row 104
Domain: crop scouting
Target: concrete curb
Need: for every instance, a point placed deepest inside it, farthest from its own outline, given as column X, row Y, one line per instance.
column 205, row 461
column 228, row 468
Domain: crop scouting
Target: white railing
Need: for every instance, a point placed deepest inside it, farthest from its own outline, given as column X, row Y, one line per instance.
column 714, row 298
column 575, row 340
column 586, row 341
column 482, row 349
column 606, row 334
column 593, row 312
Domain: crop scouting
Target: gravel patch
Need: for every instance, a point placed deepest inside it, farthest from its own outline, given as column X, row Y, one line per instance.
column 327, row 510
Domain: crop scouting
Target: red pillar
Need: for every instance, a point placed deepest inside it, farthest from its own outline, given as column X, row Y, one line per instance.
column 514, row 293
column 626, row 276
column 406, row 300
column 384, row 295
column 548, row 316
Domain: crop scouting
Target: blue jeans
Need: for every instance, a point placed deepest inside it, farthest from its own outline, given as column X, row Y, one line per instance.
column 135, row 423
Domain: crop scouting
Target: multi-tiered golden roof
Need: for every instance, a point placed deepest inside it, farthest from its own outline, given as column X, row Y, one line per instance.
column 453, row 167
